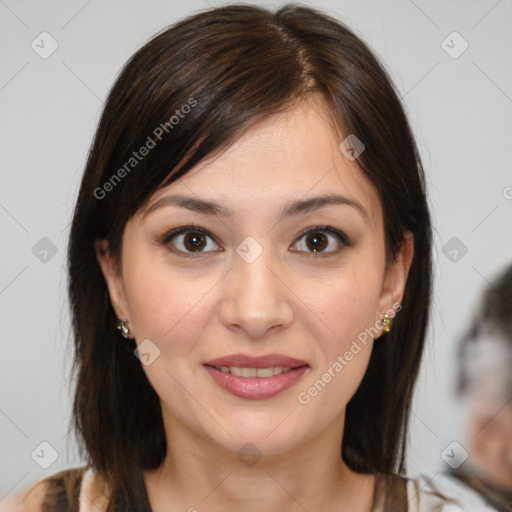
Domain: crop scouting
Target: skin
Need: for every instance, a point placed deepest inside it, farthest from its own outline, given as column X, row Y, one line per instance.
column 290, row 301
column 489, row 439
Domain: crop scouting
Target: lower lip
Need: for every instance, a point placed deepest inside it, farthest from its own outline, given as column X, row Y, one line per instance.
column 255, row 388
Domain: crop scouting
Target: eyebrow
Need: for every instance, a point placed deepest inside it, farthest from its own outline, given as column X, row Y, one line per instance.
column 191, row 203
column 315, row 203
column 298, row 207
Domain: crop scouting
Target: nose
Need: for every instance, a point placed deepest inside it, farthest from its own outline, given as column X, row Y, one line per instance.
column 255, row 298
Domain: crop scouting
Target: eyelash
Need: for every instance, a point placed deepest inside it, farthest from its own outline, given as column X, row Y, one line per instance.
column 167, row 237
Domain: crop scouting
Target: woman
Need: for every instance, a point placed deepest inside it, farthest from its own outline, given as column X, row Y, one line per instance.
column 249, row 277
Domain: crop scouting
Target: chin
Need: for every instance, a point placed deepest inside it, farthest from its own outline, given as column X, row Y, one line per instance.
column 265, row 433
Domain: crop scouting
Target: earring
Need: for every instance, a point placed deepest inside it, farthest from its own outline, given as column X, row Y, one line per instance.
column 123, row 328
column 386, row 323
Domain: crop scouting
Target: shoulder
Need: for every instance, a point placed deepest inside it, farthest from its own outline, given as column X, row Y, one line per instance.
column 30, row 499
column 66, row 490
column 441, row 493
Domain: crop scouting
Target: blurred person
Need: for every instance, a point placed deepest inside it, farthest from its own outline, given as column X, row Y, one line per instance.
column 485, row 385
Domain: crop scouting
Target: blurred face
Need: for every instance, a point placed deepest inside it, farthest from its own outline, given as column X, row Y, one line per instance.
column 255, row 276
column 489, row 435
column 489, row 409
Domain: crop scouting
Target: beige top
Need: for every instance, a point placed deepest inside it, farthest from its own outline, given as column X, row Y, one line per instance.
column 393, row 493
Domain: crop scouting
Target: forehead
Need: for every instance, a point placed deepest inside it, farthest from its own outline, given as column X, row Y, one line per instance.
column 285, row 156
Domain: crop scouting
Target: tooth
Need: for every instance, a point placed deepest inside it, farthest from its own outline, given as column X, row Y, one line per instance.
column 265, row 372
column 249, row 372
column 235, row 371
column 254, row 372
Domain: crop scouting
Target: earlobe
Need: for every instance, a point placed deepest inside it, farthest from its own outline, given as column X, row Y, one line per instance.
column 112, row 277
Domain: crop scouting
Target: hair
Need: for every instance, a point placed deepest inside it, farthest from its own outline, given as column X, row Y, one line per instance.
column 492, row 317
column 233, row 66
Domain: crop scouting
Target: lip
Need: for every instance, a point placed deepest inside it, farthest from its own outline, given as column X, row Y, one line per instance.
column 255, row 388
column 265, row 361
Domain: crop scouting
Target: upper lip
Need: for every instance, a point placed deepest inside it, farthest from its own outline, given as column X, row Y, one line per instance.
column 266, row 361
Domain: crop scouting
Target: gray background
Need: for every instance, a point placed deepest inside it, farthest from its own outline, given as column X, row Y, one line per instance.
column 460, row 109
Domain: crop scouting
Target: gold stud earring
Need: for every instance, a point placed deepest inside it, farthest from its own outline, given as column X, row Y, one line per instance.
column 386, row 323
column 122, row 327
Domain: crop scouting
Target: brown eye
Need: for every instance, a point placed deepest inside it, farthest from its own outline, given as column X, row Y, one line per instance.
column 317, row 242
column 321, row 239
column 194, row 242
column 187, row 240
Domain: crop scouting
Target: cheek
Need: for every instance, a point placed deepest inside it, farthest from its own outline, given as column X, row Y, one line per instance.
column 166, row 304
column 345, row 307
column 340, row 313
column 174, row 312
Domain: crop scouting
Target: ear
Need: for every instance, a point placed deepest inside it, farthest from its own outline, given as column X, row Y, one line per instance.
column 113, row 278
column 395, row 278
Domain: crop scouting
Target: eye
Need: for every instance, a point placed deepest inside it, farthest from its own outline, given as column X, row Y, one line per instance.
column 190, row 239
column 320, row 239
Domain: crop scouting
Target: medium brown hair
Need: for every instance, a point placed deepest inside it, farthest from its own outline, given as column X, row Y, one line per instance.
column 239, row 63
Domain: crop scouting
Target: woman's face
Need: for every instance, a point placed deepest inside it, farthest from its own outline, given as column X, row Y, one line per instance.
column 273, row 249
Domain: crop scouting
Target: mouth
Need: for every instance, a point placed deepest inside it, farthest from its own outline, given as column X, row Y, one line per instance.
column 260, row 362
column 256, row 378
column 259, row 373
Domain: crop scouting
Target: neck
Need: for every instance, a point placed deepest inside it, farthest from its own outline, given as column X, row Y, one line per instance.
column 198, row 474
